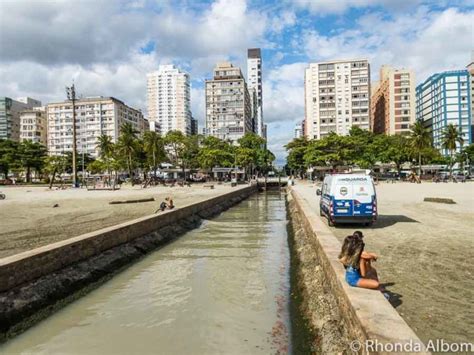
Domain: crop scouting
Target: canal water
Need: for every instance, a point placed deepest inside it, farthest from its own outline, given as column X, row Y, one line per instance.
column 222, row 288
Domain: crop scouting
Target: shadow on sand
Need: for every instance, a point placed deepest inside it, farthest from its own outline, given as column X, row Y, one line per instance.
column 383, row 220
column 395, row 298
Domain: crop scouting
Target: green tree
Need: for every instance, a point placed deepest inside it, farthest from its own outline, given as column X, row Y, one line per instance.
column 420, row 139
column 332, row 150
column 215, row 152
column 154, row 147
column 9, row 158
column 296, row 151
column 397, row 151
column 106, row 151
column 467, row 156
column 250, row 149
column 31, row 156
column 128, row 146
column 450, row 137
column 97, row 167
column 175, row 147
column 55, row 165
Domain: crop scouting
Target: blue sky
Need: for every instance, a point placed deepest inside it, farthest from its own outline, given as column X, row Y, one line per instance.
column 108, row 46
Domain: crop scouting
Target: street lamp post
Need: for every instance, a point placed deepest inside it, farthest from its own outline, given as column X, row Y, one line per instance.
column 71, row 95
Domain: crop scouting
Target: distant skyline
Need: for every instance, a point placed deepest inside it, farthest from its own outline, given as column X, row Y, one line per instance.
column 108, row 46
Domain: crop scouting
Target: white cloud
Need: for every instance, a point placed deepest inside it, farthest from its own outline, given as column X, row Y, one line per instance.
column 425, row 41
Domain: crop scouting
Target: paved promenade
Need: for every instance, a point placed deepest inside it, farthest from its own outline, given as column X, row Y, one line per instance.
column 425, row 254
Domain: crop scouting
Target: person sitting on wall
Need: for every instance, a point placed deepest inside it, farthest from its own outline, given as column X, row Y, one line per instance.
column 167, row 203
column 358, row 263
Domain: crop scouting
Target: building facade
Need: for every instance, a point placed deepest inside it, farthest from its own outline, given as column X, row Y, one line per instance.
column 194, row 126
column 299, row 130
column 34, row 125
column 10, row 110
column 470, row 69
column 94, row 116
column 443, row 99
column 228, row 104
column 254, row 79
column 169, row 99
column 337, row 97
column 393, row 101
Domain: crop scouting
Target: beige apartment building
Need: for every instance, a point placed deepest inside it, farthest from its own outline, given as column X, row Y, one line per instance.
column 228, row 104
column 393, row 102
column 94, row 116
column 337, row 95
column 33, row 125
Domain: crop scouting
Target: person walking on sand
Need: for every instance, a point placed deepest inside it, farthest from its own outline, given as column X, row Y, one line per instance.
column 358, row 263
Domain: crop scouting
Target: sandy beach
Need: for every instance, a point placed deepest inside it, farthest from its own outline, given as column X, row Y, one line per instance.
column 29, row 220
column 425, row 255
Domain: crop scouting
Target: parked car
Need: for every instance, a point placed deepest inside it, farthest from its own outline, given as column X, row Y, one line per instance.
column 348, row 198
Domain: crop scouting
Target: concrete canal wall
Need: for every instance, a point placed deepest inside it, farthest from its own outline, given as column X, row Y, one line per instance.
column 32, row 283
column 338, row 315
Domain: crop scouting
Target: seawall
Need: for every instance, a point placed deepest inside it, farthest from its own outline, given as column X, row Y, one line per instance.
column 35, row 283
column 342, row 319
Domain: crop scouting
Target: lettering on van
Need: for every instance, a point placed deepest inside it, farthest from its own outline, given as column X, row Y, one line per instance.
column 343, row 191
column 353, row 179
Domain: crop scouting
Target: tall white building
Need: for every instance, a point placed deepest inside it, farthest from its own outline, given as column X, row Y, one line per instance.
column 337, row 97
column 254, row 80
column 228, row 104
column 94, row 116
column 169, row 100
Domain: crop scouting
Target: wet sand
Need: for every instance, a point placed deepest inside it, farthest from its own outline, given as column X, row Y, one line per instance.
column 426, row 254
column 29, row 220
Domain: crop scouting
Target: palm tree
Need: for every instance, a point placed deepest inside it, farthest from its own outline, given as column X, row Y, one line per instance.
column 154, row 147
column 128, row 145
column 420, row 138
column 450, row 136
column 106, row 149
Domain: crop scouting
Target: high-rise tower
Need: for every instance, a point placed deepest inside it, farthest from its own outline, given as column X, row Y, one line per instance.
column 254, row 80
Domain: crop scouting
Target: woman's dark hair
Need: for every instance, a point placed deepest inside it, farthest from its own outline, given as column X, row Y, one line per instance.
column 358, row 234
column 352, row 248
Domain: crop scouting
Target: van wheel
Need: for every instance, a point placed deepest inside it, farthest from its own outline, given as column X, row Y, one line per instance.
column 321, row 214
column 330, row 223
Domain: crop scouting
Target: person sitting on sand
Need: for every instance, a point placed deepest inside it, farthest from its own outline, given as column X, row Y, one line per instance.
column 358, row 263
column 167, row 203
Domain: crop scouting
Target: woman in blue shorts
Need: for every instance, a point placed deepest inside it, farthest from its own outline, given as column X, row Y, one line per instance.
column 358, row 263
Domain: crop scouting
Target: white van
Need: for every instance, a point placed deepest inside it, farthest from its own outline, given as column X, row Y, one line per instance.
column 348, row 198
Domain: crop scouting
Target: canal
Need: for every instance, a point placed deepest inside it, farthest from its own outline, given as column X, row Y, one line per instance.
column 222, row 288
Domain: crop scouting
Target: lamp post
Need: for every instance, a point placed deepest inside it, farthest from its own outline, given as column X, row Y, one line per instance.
column 71, row 95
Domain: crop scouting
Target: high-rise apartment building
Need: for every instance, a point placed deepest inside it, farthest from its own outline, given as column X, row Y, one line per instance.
column 470, row 69
column 299, row 130
column 169, row 99
column 254, row 79
column 94, row 116
column 443, row 99
column 393, row 101
column 228, row 104
column 10, row 115
column 337, row 97
column 34, row 125
column 194, row 126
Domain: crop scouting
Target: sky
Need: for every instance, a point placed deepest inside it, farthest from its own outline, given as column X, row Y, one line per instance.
column 108, row 46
